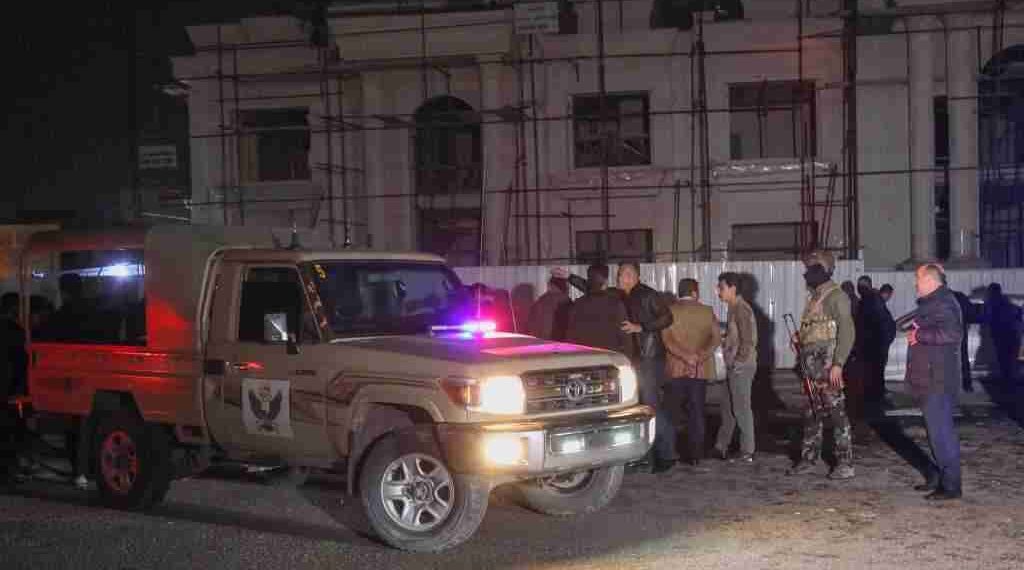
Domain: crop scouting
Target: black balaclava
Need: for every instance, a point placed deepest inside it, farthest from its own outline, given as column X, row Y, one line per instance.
column 815, row 276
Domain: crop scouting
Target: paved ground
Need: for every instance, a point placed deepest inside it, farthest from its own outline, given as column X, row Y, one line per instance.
column 732, row 517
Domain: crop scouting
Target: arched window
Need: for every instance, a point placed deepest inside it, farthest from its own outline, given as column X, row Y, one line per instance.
column 449, row 179
column 1001, row 157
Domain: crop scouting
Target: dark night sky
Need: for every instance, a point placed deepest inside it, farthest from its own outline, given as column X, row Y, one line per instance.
column 76, row 75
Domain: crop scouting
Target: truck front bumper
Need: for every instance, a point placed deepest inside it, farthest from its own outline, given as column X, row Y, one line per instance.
column 549, row 446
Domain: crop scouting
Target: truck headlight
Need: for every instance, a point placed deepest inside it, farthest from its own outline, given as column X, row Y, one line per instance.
column 490, row 395
column 627, row 383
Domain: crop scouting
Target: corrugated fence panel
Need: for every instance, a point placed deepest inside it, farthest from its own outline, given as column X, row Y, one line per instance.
column 777, row 288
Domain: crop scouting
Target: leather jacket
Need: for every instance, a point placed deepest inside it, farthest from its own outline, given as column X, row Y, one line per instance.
column 645, row 308
column 933, row 364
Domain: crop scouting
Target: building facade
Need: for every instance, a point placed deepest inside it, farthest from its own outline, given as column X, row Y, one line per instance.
column 500, row 132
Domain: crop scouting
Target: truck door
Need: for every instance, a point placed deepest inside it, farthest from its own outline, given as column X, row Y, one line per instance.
column 265, row 388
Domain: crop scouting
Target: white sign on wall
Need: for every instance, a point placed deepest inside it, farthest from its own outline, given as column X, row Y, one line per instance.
column 158, row 157
column 536, row 17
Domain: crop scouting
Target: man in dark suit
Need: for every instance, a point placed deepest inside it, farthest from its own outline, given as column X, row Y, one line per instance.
column 933, row 373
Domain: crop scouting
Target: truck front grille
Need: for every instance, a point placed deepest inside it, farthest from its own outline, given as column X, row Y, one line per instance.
column 572, row 389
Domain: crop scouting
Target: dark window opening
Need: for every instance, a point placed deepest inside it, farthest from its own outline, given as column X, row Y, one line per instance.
column 453, row 233
column 274, row 145
column 623, row 245
column 752, row 242
column 772, row 119
column 619, row 133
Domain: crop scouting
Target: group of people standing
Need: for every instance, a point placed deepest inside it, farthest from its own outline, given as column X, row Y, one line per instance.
column 672, row 342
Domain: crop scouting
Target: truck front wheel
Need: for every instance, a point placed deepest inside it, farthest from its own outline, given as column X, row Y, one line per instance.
column 132, row 461
column 575, row 493
column 413, row 502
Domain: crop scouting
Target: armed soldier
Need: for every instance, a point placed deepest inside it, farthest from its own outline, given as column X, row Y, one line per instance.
column 823, row 344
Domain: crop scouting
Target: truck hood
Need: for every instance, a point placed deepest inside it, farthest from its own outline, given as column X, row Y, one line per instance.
column 494, row 350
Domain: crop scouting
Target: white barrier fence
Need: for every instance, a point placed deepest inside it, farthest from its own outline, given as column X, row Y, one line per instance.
column 775, row 289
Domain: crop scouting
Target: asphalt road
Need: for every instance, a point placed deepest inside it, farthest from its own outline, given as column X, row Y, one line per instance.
column 734, row 516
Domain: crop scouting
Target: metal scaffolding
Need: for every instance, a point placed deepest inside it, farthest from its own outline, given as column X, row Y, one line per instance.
column 343, row 185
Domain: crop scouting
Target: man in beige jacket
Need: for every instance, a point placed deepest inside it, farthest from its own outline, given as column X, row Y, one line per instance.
column 690, row 345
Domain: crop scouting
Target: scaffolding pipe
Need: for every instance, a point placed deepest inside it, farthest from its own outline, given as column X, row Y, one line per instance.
column 536, row 149
column 605, row 240
column 223, row 126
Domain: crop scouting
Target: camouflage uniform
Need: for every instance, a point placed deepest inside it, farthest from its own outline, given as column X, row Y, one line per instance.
column 819, row 339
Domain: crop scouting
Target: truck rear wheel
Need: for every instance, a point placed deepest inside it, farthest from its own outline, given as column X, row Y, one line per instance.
column 413, row 502
column 132, row 461
column 575, row 493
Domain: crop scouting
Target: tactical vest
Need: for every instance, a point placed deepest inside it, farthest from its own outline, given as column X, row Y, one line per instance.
column 819, row 334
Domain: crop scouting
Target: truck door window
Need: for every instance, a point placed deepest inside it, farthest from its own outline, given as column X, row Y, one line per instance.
column 101, row 298
column 272, row 306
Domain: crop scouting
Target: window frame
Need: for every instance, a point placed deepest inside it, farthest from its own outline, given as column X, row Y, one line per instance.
column 307, row 307
column 804, row 95
column 617, row 98
column 251, row 138
column 588, row 257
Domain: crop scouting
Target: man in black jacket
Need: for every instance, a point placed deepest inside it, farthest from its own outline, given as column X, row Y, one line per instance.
column 648, row 316
column 933, row 373
column 875, row 332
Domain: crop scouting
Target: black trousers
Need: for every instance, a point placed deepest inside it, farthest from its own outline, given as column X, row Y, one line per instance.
column 650, row 372
column 965, row 365
column 1007, row 348
column 689, row 394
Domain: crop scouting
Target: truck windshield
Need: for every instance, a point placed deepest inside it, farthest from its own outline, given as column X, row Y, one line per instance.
column 374, row 298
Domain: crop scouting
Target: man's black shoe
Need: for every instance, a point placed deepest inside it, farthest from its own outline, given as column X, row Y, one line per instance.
column 931, row 483
column 661, row 465
column 942, row 495
column 696, row 467
column 637, row 466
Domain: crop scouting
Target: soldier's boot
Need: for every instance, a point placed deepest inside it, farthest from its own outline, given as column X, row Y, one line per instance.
column 842, row 472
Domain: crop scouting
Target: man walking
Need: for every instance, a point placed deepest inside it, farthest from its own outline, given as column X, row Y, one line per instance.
column 823, row 343
column 595, row 319
column 933, row 373
column 740, row 352
column 690, row 345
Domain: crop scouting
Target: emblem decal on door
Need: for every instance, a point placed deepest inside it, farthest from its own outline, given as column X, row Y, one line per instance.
column 265, row 407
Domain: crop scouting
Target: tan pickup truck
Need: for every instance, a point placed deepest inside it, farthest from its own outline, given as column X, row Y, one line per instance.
column 176, row 347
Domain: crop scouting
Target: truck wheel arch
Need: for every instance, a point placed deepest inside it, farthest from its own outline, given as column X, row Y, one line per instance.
column 104, row 402
column 107, row 401
column 378, row 419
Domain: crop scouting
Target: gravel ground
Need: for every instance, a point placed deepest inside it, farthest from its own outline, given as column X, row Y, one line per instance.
column 734, row 516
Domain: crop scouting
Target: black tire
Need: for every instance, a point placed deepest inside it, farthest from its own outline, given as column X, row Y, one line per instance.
column 121, row 440
column 589, row 492
column 466, row 495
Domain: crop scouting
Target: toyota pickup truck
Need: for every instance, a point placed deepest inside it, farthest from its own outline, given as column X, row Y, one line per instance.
column 177, row 347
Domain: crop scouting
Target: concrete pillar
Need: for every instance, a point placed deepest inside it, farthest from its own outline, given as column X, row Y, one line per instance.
column 385, row 164
column 492, row 135
column 922, row 139
column 964, row 196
